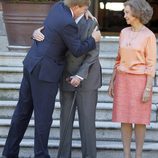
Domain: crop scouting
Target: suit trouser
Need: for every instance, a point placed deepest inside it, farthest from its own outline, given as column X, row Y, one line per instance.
column 86, row 104
column 38, row 96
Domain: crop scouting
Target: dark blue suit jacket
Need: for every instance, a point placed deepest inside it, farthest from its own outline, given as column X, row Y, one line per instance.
column 61, row 34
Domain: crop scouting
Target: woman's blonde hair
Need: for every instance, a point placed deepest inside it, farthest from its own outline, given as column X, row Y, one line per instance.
column 71, row 3
column 141, row 9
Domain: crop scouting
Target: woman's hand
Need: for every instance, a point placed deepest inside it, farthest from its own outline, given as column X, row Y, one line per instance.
column 37, row 35
column 146, row 96
column 111, row 89
column 147, row 90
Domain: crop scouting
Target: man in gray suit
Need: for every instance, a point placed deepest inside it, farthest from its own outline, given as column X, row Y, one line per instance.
column 85, row 74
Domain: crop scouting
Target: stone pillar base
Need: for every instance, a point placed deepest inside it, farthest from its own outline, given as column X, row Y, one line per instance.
column 18, row 48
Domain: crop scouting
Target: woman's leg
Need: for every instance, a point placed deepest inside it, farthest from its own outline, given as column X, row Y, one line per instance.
column 126, row 133
column 139, row 138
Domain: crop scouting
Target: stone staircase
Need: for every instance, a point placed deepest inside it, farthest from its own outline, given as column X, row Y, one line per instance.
column 108, row 134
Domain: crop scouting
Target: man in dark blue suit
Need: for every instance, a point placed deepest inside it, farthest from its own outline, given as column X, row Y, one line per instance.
column 43, row 67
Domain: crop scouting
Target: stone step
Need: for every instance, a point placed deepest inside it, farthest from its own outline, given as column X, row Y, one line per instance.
column 15, row 59
column 103, row 111
column 11, row 58
column 104, row 131
column 10, row 74
column 107, row 60
column 10, row 91
column 110, row 44
column 107, row 44
column 107, row 73
column 105, row 149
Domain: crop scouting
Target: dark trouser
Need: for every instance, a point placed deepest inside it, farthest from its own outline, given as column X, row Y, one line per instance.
column 86, row 104
column 38, row 96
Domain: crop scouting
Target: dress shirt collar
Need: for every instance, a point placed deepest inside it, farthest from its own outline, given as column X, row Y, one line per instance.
column 72, row 13
column 78, row 19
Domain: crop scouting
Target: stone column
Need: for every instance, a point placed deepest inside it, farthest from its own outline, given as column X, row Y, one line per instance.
column 3, row 36
column 2, row 27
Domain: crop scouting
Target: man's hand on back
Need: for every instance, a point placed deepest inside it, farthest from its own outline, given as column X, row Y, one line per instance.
column 96, row 34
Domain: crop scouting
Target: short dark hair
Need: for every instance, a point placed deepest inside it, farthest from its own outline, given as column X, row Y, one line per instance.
column 141, row 9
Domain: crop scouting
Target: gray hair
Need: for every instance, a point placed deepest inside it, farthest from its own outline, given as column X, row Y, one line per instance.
column 141, row 9
column 71, row 3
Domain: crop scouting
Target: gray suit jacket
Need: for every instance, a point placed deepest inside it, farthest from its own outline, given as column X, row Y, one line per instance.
column 86, row 66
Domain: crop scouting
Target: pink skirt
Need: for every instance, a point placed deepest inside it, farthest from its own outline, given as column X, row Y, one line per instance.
column 128, row 106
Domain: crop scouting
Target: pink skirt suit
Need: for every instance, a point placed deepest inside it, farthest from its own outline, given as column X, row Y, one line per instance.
column 135, row 61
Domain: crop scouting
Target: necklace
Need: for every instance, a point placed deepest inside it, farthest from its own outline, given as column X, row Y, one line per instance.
column 132, row 36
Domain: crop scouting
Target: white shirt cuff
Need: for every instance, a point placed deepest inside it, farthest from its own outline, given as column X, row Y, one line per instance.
column 79, row 77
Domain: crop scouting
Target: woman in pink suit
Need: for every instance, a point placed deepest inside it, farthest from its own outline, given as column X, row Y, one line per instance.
column 134, row 70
